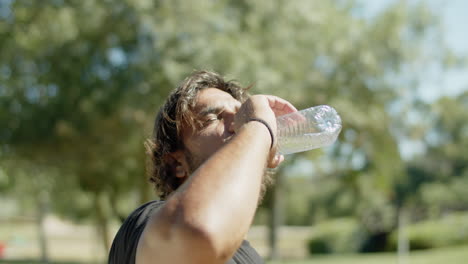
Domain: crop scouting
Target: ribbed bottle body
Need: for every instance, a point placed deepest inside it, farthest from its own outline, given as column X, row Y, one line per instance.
column 311, row 128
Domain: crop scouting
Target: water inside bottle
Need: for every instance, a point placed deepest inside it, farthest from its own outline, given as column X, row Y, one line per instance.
column 306, row 142
column 311, row 128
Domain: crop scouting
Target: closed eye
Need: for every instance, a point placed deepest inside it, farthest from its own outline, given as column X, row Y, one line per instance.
column 209, row 120
column 212, row 118
column 211, row 114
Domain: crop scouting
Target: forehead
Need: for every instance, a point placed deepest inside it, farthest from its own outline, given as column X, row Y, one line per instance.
column 213, row 97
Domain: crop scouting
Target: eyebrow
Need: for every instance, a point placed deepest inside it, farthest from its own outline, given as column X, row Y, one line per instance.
column 210, row 110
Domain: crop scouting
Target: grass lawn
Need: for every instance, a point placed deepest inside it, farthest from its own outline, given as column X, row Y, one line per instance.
column 78, row 244
column 452, row 255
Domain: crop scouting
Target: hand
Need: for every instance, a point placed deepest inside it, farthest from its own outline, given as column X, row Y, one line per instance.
column 267, row 108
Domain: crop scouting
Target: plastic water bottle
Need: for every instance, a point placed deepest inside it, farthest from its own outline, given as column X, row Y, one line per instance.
column 307, row 129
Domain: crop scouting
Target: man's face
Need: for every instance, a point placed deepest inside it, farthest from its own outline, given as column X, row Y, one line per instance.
column 214, row 110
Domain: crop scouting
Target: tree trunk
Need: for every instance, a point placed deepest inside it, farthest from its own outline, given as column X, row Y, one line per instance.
column 113, row 206
column 403, row 243
column 42, row 237
column 275, row 218
column 102, row 223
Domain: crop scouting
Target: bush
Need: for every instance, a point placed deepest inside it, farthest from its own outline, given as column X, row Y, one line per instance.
column 446, row 231
column 318, row 245
column 335, row 236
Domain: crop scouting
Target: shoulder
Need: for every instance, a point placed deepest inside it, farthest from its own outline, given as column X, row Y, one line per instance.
column 125, row 243
column 246, row 254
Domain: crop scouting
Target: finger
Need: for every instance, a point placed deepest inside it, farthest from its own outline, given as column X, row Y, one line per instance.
column 281, row 159
column 273, row 163
column 279, row 105
column 276, row 161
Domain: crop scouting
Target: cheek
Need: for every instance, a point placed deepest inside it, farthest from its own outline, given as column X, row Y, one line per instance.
column 211, row 141
column 214, row 134
column 205, row 143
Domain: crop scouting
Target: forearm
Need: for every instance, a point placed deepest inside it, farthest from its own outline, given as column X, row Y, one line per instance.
column 220, row 198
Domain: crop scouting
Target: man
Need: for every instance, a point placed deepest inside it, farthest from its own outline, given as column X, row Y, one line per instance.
column 210, row 149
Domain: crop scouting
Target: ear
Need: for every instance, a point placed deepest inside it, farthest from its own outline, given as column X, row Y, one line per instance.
column 179, row 163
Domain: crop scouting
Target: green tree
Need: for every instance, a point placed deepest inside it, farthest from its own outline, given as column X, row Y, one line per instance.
column 81, row 81
column 73, row 74
column 436, row 181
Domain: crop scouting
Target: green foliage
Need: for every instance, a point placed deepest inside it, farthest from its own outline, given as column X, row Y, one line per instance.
column 436, row 182
column 318, row 245
column 447, row 231
column 346, row 235
column 452, row 255
column 339, row 235
column 297, row 201
column 81, row 82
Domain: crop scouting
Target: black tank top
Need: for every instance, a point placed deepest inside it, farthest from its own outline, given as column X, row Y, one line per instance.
column 124, row 246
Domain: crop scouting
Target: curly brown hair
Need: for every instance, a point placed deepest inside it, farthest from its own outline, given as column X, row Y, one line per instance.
column 175, row 114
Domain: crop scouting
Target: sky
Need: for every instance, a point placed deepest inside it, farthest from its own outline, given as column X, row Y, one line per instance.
column 454, row 19
column 436, row 83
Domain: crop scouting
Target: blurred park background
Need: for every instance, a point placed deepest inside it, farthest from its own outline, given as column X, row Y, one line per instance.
column 81, row 81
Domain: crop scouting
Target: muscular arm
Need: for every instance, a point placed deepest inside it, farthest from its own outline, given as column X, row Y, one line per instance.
column 207, row 218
